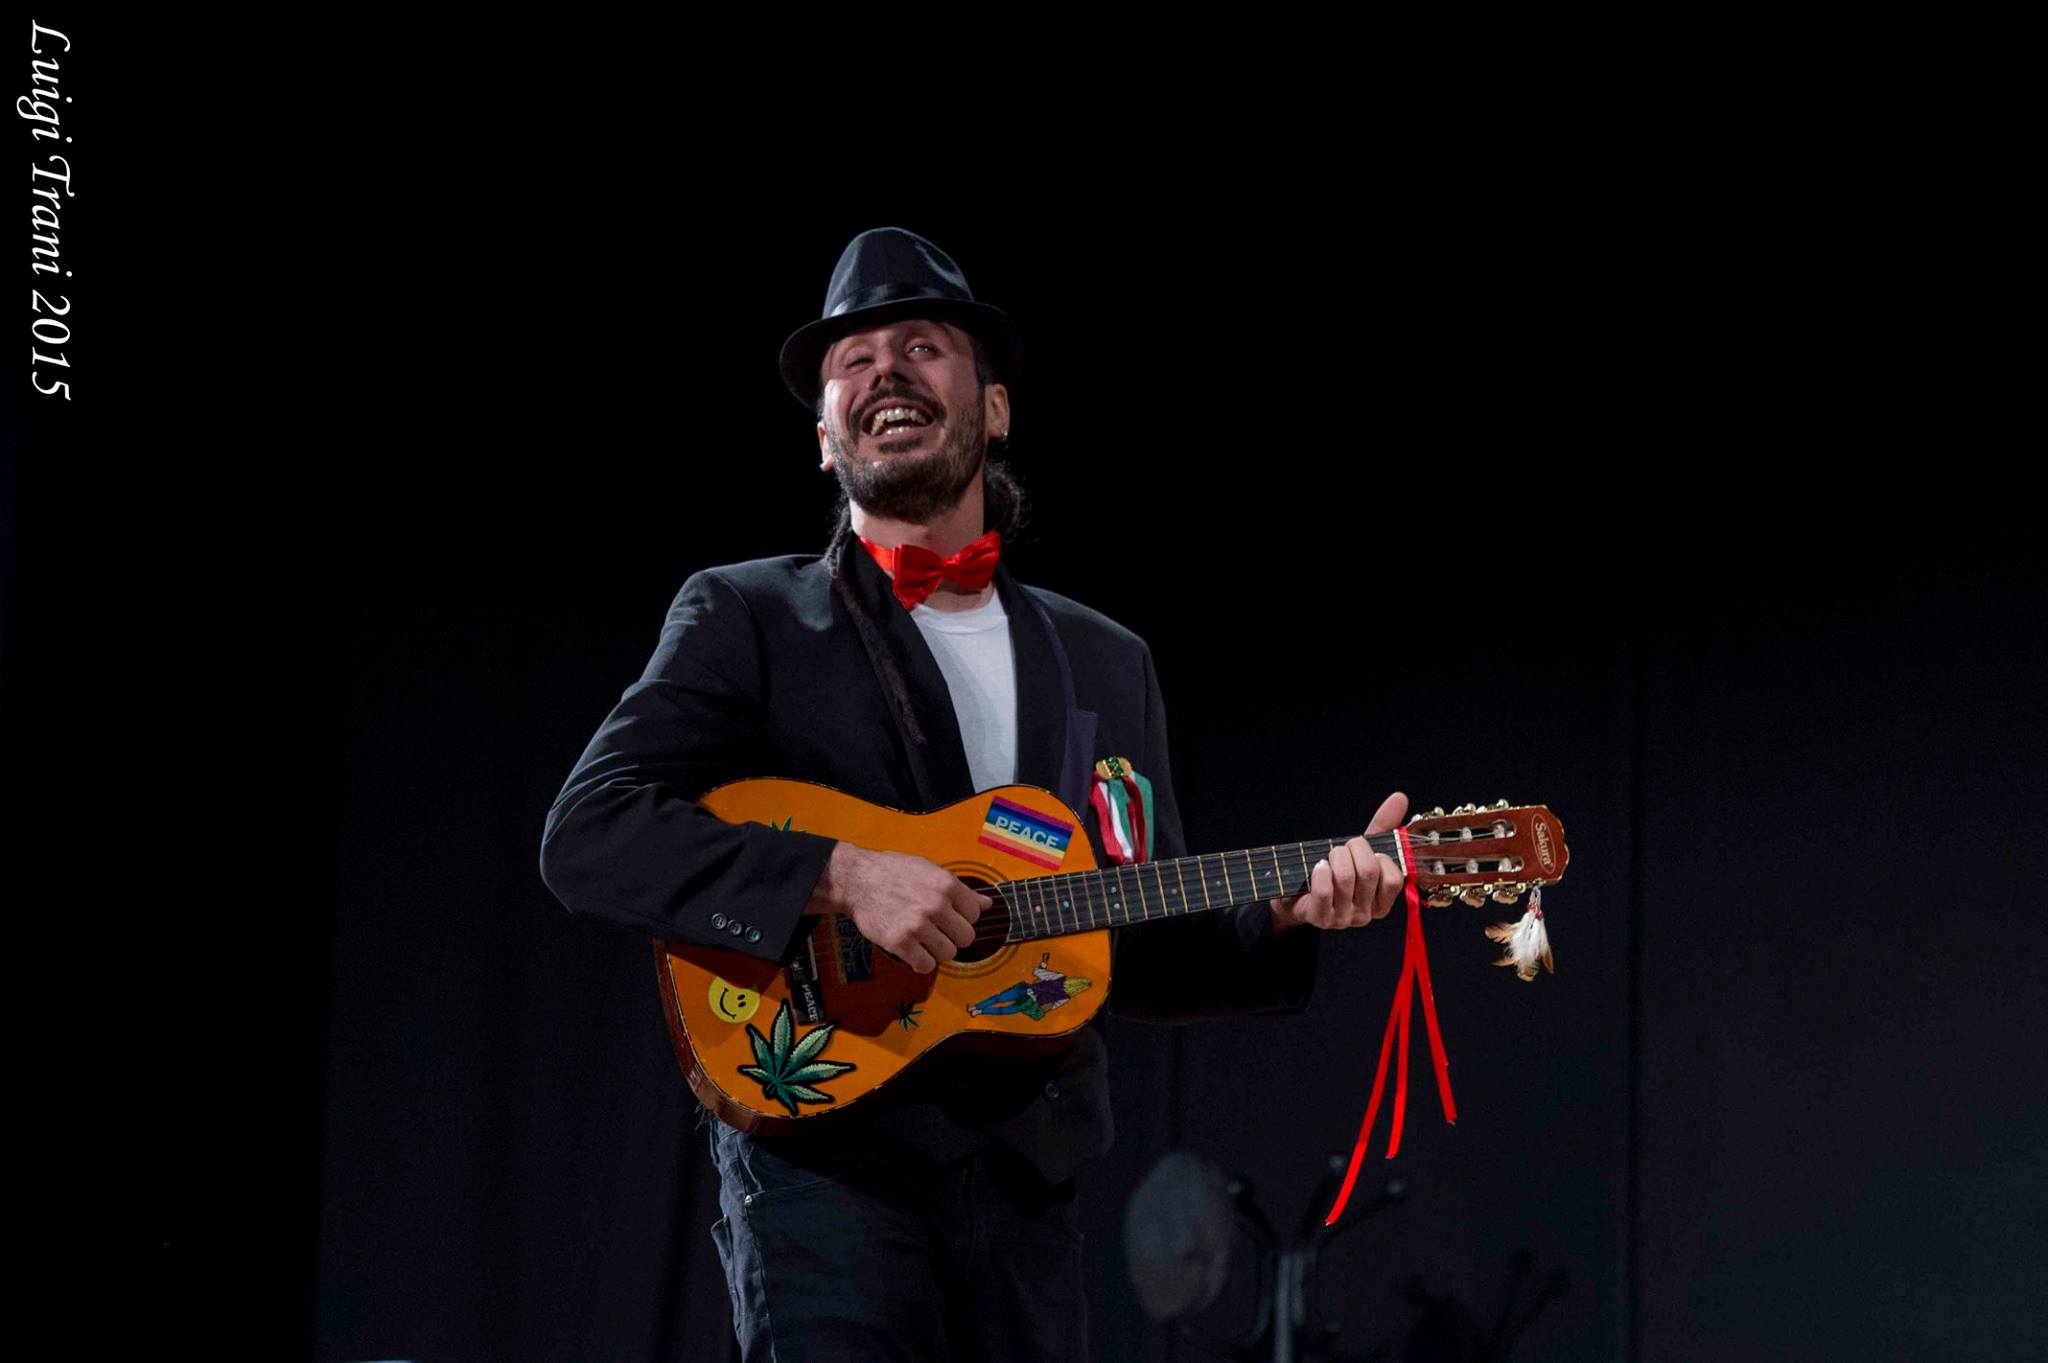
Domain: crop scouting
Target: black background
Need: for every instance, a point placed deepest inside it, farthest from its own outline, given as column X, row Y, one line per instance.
column 1626, row 418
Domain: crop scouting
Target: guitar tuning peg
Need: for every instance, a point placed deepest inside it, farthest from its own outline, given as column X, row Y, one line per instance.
column 1475, row 895
column 1440, row 897
column 1436, row 813
column 1464, row 809
column 1509, row 892
column 1500, row 804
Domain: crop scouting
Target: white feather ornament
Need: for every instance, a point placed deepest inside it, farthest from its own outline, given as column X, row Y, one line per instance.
column 1526, row 942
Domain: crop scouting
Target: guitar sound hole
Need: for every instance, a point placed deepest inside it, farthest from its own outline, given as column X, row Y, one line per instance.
column 991, row 929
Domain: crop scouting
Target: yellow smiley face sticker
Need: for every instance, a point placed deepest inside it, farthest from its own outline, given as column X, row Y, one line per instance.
column 732, row 1003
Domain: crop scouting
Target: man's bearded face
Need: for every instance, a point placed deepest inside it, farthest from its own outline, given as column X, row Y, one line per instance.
column 904, row 421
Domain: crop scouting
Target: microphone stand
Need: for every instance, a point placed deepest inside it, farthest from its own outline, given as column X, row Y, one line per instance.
column 1280, row 1330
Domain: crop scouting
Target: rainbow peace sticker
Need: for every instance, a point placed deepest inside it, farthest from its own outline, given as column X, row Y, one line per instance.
column 1025, row 833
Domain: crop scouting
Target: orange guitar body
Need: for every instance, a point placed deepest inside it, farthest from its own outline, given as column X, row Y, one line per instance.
column 772, row 1047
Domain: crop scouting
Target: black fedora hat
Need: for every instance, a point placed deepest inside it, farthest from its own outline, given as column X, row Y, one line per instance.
column 883, row 274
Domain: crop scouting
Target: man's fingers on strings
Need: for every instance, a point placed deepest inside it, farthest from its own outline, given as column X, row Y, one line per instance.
column 1322, row 883
column 958, row 929
column 1366, row 893
column 1298, row 906
column 1390, row 886
column 938, row 944
column 1367, row 888
column 970, row 903
column 1343, row 873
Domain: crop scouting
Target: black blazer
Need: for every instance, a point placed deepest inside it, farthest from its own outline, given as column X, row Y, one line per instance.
column 761, row 671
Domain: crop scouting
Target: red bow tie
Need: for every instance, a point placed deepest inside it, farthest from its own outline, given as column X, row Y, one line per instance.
column 918, row 571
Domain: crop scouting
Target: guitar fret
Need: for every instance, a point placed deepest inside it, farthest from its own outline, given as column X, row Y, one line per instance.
column 1118, row 895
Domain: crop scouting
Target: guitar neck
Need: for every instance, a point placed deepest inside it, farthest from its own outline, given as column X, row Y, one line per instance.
column 1113, row 896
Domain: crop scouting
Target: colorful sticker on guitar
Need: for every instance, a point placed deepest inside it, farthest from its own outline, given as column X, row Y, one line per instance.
column 788, row 1068
column 1046, row 990
column 1034, row 837
column 730, row 1003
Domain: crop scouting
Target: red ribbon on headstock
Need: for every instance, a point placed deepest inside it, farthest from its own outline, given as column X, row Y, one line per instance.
column 1415, row 970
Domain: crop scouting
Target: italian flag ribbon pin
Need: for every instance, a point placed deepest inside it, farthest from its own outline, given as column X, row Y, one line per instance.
column 1123, row 810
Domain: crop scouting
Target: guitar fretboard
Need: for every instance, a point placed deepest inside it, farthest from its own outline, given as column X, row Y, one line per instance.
column 1113, row 896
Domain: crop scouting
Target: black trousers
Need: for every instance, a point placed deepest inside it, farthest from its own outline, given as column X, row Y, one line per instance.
column 860, row 1248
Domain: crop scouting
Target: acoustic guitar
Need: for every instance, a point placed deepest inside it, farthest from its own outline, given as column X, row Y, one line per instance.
column 773, row 1046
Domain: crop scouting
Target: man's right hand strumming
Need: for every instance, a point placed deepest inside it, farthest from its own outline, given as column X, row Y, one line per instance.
column 914, row 910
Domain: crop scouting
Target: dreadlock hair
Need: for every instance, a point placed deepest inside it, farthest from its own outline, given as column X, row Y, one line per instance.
column 1003, row 507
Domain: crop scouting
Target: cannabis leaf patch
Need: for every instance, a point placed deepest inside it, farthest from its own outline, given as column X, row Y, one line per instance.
column 788, row 1068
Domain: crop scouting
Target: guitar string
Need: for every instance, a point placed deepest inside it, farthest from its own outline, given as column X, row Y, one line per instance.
column 1379, row 842
column 1389, row 843
column 1107, row 876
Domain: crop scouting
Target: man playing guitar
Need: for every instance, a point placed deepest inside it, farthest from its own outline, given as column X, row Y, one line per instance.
column 908, row 667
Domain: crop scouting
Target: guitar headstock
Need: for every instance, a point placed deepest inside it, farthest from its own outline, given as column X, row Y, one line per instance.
column 1475, row 852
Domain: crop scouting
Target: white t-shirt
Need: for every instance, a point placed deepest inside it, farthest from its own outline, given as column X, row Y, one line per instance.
column 973, row 652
